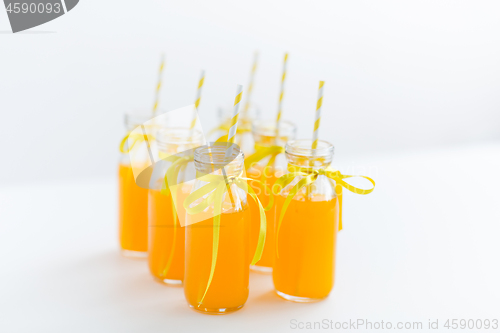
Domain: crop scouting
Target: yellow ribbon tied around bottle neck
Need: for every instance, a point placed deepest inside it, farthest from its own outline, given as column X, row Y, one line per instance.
column 213, row 193
column 310, row 175
column 262, row 152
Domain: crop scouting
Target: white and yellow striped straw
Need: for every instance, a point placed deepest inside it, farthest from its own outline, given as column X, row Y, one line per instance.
column 250, row 84
column 231, row 134
column 282, row 92
column 318, row 115
column 158, row 85
column 234, row 120
column 198, row 99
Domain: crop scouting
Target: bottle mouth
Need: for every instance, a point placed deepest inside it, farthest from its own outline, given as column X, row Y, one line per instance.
column 215, row 154
column 212, row 160
column 178, row 138
column 303, row 148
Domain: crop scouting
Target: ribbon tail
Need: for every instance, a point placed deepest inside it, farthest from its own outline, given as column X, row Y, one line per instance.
column 172, row 174
column 269, row 166
column 263, row 221
column 215, row 241
column 122, row 144
column 338, row 190
column 262, row 231
column 265, row 188
column 222, row 138
column 339, row 178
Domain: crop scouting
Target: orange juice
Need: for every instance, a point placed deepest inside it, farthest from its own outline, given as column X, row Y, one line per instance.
column 228, row 290
column 306, row 241
column 270, row 176
column 166, row 239
column 267, row 169
column 133, row 214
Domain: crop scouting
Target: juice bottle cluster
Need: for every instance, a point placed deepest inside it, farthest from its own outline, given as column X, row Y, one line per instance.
column 205, row 234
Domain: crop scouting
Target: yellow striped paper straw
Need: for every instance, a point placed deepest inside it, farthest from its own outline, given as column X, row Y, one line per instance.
column 158, row 86
column 250, row 83
column 234, row 120
column 198, row 98
column 231, row 134
column 318, row 115
column 282, row 92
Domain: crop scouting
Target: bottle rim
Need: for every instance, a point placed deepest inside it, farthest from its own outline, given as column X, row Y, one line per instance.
column 215, row 153
column 303, row 148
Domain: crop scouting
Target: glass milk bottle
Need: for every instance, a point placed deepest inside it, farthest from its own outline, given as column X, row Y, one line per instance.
column 267, row 170
column 166, row 235
column 223, row 287
column 132, row 199
column 306, row 238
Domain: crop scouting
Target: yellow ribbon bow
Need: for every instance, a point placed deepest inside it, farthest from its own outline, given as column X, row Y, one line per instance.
column 310, row 175
column 212, row 193
column 137, row 138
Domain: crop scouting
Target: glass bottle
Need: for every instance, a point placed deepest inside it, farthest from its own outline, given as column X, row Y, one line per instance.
column 228, row 289
column 132, row 199
column 306, row 240
column 166, row 235
column 267, row 171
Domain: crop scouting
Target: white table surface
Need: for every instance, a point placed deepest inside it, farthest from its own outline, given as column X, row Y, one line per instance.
column 424, row 245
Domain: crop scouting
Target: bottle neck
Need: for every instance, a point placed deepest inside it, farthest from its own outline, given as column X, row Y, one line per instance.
column 211, row 159
column 266, row 133
column 178, row 139
column 299, row 153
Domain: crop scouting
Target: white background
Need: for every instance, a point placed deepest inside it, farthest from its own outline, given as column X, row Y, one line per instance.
column 399, row 75
column 411, row 98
